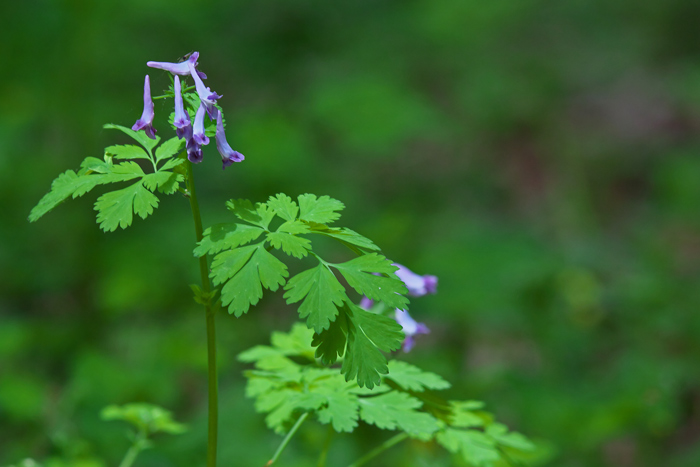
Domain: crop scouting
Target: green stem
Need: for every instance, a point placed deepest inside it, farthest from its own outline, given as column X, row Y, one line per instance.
column 379, row 449
column 211, row 328
column 326, row 447
column 134, row 450
column 287, row 438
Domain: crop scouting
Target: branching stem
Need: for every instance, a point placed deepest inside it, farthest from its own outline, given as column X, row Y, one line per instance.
column 213, row 408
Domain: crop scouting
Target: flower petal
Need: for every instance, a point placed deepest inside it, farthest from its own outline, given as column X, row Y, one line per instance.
column 145, row 123
column 228, row 155
column 199, row 136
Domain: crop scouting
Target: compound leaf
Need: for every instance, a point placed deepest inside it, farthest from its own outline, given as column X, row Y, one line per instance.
column 290, row 244
column 321, row 292
column 169, row 148
column 412, row 378
column 475, row 447
column 321, row 210
column 367, row 335
column 359, row 274
column 115, row 209
column 127, row 151
column 397, row 410
column 283, row 206
column 226, row 236
column 139, row 136
column 244, row 288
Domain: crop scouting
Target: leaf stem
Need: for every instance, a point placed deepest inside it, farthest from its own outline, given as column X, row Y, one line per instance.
column 212, row 376
column 138, row 445
column 379, row 449
column 326, row 447
column 287, row 438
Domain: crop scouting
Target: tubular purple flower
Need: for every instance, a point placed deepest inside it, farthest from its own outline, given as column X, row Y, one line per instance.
column 206, row 95
column 182, row 118
column 145, row 123
column 417, row 285
column 194, row 151
column 199, row 135
column 182, row 68
column 228, row 155
column 410, row 327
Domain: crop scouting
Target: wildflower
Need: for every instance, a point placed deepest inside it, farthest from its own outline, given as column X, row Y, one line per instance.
column 194, row 151
column 182, row 68
column 228, row 155
column 206, row 95
column 417, row 285
column 200, row 135
column 183, row 125
column 410, row 328
column 145, row 123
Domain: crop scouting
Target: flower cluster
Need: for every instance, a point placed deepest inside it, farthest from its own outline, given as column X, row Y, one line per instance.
column 194, row 135
column 417, row 287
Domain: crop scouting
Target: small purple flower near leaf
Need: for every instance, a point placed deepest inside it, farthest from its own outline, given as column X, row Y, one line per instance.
column 228, row 155
column 194, row 151
column 410, row 327
column 199, row 135
column 206, row 95
column 182, row 68
column 182, row 119
column 366, row 303
column 145, row 123
column 417, row 285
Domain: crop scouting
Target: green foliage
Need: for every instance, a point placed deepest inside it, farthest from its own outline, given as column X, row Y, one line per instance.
column 117, row 208
column 288, row 381
column 146, row 418
column 244, row 270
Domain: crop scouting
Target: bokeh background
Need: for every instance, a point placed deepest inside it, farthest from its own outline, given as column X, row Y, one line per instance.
column 542, row 158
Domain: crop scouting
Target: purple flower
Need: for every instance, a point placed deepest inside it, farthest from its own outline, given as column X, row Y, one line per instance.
column 410, row 328
column 194, row 151
column 182, row 68
column 145, row 123
column 200, row 136
column 206, row 95
column 182, row 121
column 417, row 285
column 228, row 155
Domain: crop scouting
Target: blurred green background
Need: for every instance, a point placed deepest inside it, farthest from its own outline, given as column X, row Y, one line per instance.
column 542, row 158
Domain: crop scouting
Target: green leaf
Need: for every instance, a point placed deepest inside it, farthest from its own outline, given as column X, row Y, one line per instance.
column 147, row 417
column 466, row 414
column 412, row 378
column 475, row 447
column 139, row 136
column 367, row 335
column 156, row 179
column 499, row 432
column 321, row 210
column 321, row 292
column 330, row 343
column 347, row 236
column 228, row 263
column 294, row 227
column 283, row 206
column 397, row 410
column 358, row 273
column 172, row 163
column 226, row 236
column 94, row 165
column 169, row 185
column 341, row 411
column 259, row 215
column 65, row 185
column 169, row 148
column 292, row 245
column 116, row 207
column 244, row 288
column 127, row 151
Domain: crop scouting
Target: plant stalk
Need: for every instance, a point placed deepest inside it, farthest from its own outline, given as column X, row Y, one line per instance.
column 287, row 438
column 134, row 450
column 379, row 449
column 326, row 446
column 212, row 377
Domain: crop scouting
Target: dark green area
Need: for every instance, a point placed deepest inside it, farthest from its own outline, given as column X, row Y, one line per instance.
column 541, row 158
